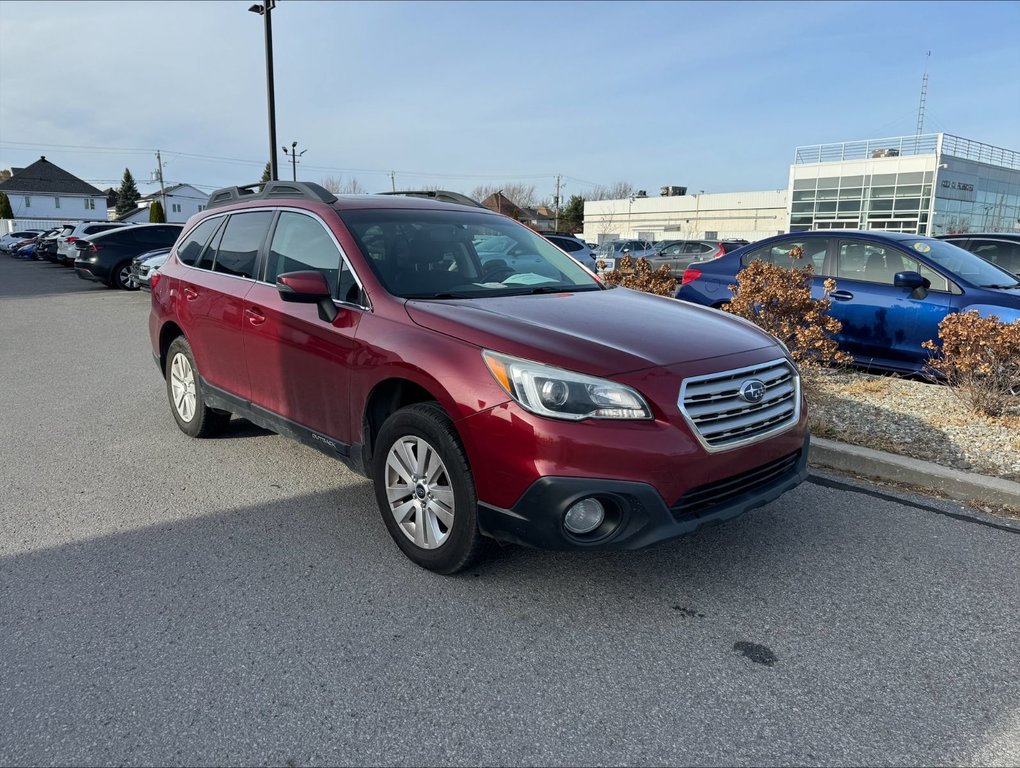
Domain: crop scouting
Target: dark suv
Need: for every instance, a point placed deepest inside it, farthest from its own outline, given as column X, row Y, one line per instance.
column 107, row 256
column 1000, row 248
column 479, row 397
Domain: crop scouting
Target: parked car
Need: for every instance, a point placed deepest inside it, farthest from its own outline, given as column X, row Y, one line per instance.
column 679, row 254
column 610, row 251
column 892, row 289
column 86, row 229
column 1002, row 249
column 8, row 241
column 575, row 248
column 145, row 265
column 24, row 250
column 46, row 248
column 106, row 257
column 481, row 406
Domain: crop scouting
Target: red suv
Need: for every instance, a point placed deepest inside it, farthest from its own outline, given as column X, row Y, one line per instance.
column 521, row 401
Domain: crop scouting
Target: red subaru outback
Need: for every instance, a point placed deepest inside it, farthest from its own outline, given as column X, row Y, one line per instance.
column 488, row 385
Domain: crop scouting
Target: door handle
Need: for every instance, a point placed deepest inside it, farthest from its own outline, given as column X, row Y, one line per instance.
column 189, row 293
column 841, row 295
column 255, row 317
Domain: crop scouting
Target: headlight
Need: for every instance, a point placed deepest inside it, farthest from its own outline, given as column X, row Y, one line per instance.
column 564, row 394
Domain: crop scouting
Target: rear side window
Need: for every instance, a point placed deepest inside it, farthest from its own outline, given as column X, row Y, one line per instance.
column 568, row 245
column 192, row 246
column 240, row 243
column 785, row 254
column 157, row 237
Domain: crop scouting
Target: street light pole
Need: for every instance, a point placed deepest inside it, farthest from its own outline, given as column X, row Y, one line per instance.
column 294, row 155
column 264, row 10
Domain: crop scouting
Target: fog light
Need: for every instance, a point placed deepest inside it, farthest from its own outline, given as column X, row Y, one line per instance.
column 584, row 516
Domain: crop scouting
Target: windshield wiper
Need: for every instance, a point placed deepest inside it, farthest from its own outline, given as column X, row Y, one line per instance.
column 440, row 296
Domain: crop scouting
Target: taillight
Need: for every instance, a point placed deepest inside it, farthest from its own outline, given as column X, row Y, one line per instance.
column 153, row 279
column 93, row 248
column 690, row 275
column 720, row 252
column 71, row 240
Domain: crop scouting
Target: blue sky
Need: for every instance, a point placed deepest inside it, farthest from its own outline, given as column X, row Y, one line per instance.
column 709, row 95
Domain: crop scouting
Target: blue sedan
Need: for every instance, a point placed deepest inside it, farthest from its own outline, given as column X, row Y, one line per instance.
column 892, row 289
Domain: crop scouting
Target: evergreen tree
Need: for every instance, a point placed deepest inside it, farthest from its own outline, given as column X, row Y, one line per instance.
column 5, row 207
column 572, row 215
column 156, row 214
column 127, row 195
column 266, row 174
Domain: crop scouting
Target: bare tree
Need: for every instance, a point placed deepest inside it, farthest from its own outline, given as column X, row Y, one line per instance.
column 617, row 191
column 5, row 174
column 338, row 186
column 521, row 195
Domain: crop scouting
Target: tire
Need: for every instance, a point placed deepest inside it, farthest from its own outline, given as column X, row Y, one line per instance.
column 120, row 277
column 184, row 390
column 425, row 490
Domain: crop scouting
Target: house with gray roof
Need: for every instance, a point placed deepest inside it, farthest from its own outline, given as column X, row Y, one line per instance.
column 180, row 202
column 43, row 194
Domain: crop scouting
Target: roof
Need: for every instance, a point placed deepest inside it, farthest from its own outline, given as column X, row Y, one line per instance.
column 44, row 178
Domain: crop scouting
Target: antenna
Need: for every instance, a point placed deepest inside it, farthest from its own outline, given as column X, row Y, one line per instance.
column 924, row 96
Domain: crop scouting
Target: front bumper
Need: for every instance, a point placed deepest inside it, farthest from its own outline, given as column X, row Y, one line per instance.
column 637, row 516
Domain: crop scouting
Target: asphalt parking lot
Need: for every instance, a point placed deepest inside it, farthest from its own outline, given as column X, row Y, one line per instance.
column 237, row 601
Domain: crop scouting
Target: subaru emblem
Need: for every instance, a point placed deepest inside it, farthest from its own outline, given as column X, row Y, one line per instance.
column 752, row 391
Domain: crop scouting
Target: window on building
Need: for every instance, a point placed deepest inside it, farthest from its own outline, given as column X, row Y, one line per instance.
column 90, row 204
column 56, row 202
column 28, row 201
column 175, row 207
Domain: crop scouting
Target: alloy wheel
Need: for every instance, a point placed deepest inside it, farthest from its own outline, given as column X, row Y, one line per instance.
column 419, row 492
column 182, row 386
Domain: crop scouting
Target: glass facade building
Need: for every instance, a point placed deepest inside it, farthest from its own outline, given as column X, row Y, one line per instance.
column 928, row 184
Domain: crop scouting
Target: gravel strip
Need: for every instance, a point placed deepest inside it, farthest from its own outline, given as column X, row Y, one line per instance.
column 912, row 418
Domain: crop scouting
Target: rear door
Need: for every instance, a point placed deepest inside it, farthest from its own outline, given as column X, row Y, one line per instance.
column 211, row 304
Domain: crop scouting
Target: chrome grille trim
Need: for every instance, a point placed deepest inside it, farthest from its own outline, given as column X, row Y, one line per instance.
column 722, row 420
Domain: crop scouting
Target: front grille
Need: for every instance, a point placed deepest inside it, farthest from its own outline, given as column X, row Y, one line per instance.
column 705, row 498
column 723, row 419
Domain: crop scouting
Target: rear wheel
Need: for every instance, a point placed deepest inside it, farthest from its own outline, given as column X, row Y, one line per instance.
column 425, row 490
column 120, row 277
column 184, row 390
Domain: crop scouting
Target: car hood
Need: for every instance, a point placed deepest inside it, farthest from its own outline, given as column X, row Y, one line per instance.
column 597, row 332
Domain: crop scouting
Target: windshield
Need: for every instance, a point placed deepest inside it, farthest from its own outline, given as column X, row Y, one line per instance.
column 962, row 263
column 426, row 254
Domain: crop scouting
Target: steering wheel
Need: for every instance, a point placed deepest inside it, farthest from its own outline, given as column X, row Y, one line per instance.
column 497, row 273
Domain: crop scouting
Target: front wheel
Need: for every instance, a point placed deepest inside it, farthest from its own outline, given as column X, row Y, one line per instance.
column 184, row 390
column 425, row 490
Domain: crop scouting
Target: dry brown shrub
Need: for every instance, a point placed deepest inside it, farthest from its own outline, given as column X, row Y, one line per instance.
column 640, row 276
column 980, row 359
column 779, row 301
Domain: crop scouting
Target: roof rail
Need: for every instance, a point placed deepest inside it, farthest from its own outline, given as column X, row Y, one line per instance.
column 271, row 190
column 441, row 195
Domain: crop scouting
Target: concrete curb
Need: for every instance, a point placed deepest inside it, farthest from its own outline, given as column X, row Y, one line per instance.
column 962, row 486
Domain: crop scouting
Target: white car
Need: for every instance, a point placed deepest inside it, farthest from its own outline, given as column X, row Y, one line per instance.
column 65, row 242
column 8, row 240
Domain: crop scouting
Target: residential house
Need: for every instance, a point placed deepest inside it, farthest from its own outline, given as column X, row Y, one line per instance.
column 43, row 195
column 180, row 202
column 541, row 219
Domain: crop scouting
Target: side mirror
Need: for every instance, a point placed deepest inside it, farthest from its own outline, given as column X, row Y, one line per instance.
column 913, row 281
column 308, row 288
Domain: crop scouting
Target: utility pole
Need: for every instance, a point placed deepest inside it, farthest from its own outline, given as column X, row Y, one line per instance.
column 162, row 191
column 393, row 180
column 294, row 155
column 556, row 201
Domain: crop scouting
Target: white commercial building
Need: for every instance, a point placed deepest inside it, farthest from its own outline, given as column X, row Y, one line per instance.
column 927, row 184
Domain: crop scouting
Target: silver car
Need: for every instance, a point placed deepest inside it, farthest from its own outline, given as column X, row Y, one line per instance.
column 607, row 254
column 144, row 265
